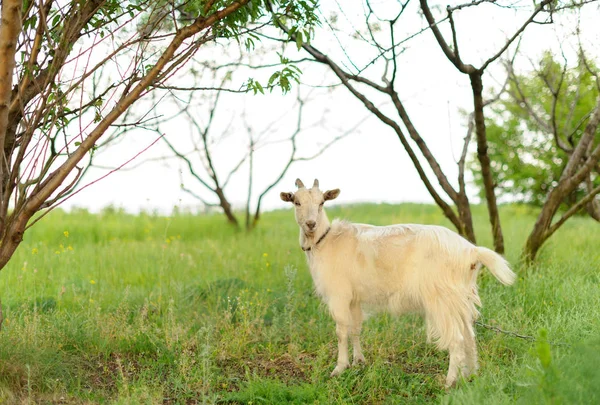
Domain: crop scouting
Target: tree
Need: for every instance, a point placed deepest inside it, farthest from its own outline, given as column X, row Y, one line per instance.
column 216, row 131
column 532, row 131
column 203, row 163
column 53, row 111
column 563, row 107
column 376, row 78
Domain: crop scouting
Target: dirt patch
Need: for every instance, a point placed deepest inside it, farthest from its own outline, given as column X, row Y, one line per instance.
column 105, row 372
column 285, row 367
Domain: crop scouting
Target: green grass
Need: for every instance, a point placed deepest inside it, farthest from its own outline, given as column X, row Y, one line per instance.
column 115, row 308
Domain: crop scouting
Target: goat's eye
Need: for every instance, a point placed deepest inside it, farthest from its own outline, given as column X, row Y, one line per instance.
column 297, row 204
column 320, row 205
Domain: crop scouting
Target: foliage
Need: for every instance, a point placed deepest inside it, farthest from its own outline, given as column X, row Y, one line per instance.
column 525, row 157
column 78, row 69
column 116, row 308
column 301, row 14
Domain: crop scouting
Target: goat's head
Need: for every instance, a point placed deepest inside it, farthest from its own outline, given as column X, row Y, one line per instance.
column 309, row 204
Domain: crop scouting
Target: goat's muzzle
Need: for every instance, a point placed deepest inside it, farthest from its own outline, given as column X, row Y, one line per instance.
column 310, row 226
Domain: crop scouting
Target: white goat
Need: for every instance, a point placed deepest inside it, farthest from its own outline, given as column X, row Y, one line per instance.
column 398, row 268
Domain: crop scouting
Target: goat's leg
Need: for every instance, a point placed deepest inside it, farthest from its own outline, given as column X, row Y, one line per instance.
column 340, row 310
column 357, row 319
column 457, row 362
column 470, row 349
column 342, row 360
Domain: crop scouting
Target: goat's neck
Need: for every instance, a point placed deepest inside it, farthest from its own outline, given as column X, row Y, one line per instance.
column 309, row 241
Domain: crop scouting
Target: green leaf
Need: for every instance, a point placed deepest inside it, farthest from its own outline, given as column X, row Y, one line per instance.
column 55, row 20
column 273, row 77
column 259, row 87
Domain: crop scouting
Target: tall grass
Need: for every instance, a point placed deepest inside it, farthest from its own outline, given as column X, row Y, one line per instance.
column 116, row 308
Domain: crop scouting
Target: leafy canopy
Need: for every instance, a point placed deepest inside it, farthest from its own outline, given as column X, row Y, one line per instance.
column 524, row 154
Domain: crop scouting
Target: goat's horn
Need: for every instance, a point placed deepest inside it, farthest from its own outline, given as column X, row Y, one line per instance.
column 299, row 183
column 316, row 183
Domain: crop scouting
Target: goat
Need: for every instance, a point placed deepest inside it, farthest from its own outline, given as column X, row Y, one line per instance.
column 398, row 268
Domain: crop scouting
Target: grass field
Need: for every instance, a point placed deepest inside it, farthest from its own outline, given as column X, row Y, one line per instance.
column 115, row 308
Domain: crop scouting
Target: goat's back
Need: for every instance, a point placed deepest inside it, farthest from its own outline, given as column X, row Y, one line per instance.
column 403, row 263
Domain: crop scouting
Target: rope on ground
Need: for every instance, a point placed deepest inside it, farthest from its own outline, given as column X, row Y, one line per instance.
column 516, row 334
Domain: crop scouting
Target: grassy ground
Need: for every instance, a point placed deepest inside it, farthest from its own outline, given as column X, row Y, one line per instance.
column 113, row 308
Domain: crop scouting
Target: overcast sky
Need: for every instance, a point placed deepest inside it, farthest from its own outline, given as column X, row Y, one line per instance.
column 369, row 164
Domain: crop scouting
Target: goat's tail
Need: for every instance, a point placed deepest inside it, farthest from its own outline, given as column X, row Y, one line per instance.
column 496, row 264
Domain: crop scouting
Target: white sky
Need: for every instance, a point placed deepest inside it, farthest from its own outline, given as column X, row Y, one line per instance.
column 368, row 165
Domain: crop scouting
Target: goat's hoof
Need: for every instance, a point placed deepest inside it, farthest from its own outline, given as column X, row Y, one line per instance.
column 450, row 384
column 338, row 370
column 359, row 361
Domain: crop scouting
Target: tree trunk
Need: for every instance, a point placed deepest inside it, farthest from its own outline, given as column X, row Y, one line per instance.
column 224, row 203
column 537, row 237
column 484, row 160
column 10, row 27
column 465, row 217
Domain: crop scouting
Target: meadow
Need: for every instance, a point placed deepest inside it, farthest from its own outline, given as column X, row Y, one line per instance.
column 145, row 309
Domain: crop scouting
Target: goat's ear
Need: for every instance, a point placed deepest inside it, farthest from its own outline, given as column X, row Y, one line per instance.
column 288, row 197
column 331, row 194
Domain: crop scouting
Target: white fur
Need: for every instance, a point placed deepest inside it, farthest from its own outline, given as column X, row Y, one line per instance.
column 397, row 269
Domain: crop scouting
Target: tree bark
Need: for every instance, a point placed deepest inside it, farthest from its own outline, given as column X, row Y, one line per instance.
column 10, row 27
column 484, row 160
column 224, row 203
column 465, row 217
column 593, row 207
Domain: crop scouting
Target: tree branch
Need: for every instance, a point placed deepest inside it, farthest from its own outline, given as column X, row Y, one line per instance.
column 450, row 54
column 571, row 211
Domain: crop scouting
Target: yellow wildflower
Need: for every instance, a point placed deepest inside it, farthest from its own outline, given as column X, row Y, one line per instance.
column 66, row 233
column 34, row 251
column 92, row 281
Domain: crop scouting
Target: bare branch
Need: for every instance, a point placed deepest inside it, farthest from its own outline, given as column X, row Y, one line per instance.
column 345, row 78
column 67, row 197
column 509, row 42
column 450, row 54
column 463, row 155
column 64, row 192
column 555, row 91
column 522, row 99
column 189, row 165
column 201, row 88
